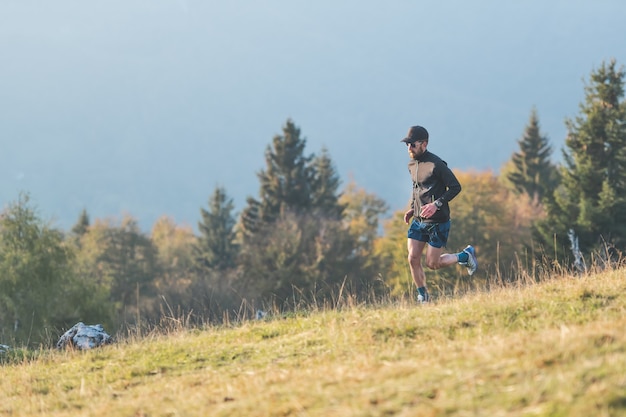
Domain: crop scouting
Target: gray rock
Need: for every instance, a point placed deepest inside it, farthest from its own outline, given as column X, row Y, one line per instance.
column 84, row 337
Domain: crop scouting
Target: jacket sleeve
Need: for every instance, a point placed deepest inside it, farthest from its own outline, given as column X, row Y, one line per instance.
column 453, row 187
column 412, row 198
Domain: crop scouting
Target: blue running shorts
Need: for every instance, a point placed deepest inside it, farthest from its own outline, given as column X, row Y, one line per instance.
column 436, row 234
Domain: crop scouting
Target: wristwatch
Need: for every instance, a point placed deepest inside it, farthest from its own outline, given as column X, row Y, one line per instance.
column 438, row 204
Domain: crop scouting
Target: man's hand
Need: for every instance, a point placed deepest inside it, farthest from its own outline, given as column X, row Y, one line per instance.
column 408, row 216
column 428, row 210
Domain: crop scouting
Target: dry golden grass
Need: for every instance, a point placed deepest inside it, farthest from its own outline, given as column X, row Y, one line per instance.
column 551, row 349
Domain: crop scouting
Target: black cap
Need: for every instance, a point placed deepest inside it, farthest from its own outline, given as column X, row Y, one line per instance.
column 416, row 134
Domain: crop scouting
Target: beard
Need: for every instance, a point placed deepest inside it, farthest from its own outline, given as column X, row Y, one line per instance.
column 414, row 153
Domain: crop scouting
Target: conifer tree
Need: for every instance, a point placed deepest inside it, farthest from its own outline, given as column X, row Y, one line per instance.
column 292, row 182
column 325, row 187
column 250, row 220
column 531, row 170
column 592, row 197
column 286, row 182
column 216, row 245
column 82, row 225
column 294, row 235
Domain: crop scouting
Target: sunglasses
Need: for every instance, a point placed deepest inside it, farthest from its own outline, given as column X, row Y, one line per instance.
column 413, row 144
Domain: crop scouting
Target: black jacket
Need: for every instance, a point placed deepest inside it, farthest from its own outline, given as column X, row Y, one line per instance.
column 432, row 180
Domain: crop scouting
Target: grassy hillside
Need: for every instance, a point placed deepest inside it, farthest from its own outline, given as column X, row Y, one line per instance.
column 554, row 349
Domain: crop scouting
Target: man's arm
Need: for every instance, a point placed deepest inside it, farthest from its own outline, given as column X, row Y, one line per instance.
column 453, row 186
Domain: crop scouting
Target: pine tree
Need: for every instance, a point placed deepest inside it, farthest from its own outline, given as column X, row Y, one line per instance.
column 292, row 182
column 82, row 225
column 216, row 245
column 591, row 199
column 531, row 170
column 286, row 183
column 325, row 187
column 250, row 219
column 294, row 237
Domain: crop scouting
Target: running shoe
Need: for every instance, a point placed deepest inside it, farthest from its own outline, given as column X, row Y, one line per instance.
column 472, row 262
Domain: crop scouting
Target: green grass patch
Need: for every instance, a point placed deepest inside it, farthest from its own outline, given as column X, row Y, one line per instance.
column 551, row 349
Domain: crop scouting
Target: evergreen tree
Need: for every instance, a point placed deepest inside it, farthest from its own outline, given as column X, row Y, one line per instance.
column 250, row 220
column 325, row 186
column 592, row 197
column 292, row 182
column 295, row 240
column 80, row 228
column 531, row 171
column 216, row 245
column 286, row 182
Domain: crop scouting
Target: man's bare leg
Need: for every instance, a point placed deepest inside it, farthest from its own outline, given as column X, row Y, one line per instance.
column 416, row 248
column 435, row 259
